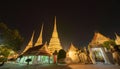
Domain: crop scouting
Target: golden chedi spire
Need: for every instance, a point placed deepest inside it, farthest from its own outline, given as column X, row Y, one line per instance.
column 54, row 41
column 55, row 33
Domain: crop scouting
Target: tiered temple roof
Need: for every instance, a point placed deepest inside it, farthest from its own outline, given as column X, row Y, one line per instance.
column 53, row 45
column 98, row 39
column 72, row 48
column 39, row 41
column 30, row 44
column 38, row 49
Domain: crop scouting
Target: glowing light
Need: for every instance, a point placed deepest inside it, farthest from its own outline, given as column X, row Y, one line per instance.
column 54, row 42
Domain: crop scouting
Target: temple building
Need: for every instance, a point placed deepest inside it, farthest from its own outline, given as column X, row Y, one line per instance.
column 97, row 51
column 39, row 53
column 30, row 43
column 98, row 39
column 72, row 54
column 54, row 44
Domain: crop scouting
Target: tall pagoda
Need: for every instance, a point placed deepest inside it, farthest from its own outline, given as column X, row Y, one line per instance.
column 54, row 41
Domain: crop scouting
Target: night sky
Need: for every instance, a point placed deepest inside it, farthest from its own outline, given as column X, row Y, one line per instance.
column 76, row 22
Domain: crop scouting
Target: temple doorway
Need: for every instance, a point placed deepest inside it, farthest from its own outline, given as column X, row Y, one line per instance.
column 99, row 55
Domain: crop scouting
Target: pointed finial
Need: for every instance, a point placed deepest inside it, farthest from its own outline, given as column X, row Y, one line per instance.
column 42, row 29
column 116, row 35
column 33, row 35
column 55, row 33
column 30, row 43
column 39, row 40
column 46, row 43
column 71, row 44
column 55, row 27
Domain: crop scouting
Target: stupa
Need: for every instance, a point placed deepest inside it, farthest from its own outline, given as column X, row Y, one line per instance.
column 54, row 41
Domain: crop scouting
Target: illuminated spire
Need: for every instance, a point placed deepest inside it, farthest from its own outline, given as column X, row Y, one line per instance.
column 39, row 41
column 117, row 40
column 117, row 37
column 30, row 44
column 54, row 41
column 55, row 34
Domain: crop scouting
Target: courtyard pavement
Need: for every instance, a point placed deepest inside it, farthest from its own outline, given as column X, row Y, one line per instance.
column 12, row 65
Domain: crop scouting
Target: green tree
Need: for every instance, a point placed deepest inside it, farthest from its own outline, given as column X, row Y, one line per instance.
column 28, row 61
column 10, row 38
column 108, row 43
column 61, row 55
column 4, row 52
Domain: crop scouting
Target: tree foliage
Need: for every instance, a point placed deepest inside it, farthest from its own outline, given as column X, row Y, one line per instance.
column 108, row 43
column 4, row 51
column 10, row 38
column 61, row 54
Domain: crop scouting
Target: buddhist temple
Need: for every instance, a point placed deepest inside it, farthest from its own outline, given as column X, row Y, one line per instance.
column 72, row 54
column 97, row 51
column 98, row 39
column 54, row 41
column 39, row 54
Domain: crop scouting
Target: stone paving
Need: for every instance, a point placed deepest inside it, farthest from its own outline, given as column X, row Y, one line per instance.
column 59, row 66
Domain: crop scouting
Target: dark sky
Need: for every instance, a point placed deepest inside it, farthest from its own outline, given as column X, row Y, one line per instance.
column 76, row 22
